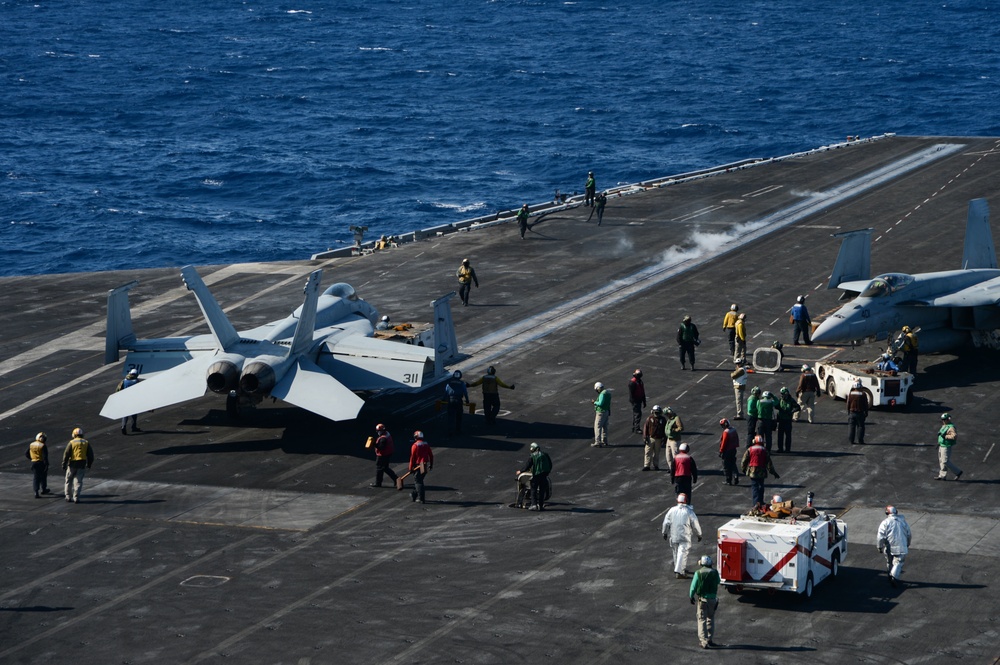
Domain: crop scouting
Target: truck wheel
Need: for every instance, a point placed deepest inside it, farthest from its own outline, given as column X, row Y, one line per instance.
column 835, row 563
column 807, row 591
column 871, row 398
column 831, row 388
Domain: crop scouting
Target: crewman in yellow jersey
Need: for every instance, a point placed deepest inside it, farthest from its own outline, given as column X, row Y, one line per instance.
column 729, row 327
column 79, row 457
column 38, row 453
column 466, row 277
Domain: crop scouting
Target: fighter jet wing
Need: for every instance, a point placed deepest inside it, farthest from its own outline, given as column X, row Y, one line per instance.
column 307, row 386
column 179, row 384
column 364, row 363
column 983, row 294
column 359, row 345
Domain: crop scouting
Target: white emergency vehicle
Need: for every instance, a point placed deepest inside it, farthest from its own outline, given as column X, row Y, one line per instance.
column 781, row 553
column 883, row 388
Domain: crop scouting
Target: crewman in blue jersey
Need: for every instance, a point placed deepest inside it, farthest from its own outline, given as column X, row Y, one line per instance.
column 801, row 323
column 457, row 394
column 130, row 380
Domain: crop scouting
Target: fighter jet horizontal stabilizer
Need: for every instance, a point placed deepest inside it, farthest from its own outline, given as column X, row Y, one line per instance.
column 180, row 384
column 309, row 387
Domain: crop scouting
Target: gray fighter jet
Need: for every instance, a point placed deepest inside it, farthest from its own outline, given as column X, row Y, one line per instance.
column 317, row 358
column 950, row 307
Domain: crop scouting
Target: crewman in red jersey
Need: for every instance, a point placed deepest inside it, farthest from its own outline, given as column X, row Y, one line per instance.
column 421, row 462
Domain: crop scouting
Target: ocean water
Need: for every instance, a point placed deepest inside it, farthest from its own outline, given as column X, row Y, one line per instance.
column 138, row 134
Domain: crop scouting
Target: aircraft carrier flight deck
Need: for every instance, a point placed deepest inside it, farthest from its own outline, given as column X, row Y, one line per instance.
column 208, row 539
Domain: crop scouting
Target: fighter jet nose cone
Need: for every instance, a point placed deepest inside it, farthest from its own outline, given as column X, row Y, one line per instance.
column 827, row 331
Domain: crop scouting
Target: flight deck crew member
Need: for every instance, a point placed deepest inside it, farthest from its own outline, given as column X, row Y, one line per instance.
column 457, row 395
column 787, row 408
column 591, row 189
column 522, row 220
column 756, row 464
column 675, row 428
column 729, row 444
column 491, row 394
column 806, row 391
column 909, row 349
column 78, row 457
column 893, row 540
column 857, row 411
column 687, row 339
column 886, row 364
column 801, row 323
column 602, row 201
column 683, row 472
column 704, row 593
column 739, row 377
column 130, row 380
column 729, row 327
column 765, row 417
column 383, row 455
column 947, row 436
column 654, row 434
column 466, row 277
column 752, row 403
column 38, row 453
column 637, row 398
column 679, row 525
column 540, row 466
column 383, row 323
column 602, row 414
column 740, row 332
column 421, row 462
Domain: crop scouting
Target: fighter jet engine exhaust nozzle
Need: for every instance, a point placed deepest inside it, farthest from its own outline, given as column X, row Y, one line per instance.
column 222, row 377
column 258, row 379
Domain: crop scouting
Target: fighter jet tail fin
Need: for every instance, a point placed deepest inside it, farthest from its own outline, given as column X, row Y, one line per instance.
column 854, row 262
column 445, row 341
column 979, row 251
column 223, row 331
column 306, row 326
column 120, row 332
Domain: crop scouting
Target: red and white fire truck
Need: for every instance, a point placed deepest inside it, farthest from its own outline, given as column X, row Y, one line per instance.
column 785, row 553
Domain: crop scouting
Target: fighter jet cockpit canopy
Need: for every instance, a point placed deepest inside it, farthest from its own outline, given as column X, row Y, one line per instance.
column 341, row 290
column 887, row 284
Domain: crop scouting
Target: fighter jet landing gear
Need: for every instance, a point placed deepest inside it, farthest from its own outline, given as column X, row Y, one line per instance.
column 238, row 405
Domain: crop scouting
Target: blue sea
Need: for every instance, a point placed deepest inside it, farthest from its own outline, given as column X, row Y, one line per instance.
column 140, row 134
